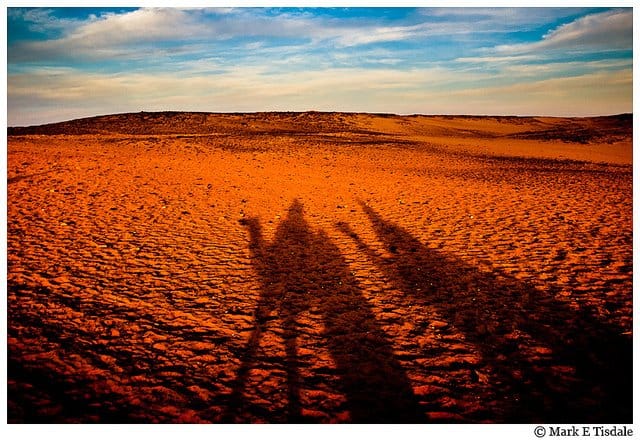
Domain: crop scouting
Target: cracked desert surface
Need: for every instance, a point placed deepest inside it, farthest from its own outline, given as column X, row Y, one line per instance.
column 320, row 267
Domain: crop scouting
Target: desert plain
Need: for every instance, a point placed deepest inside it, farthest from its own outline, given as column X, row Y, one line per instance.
column 173, row 267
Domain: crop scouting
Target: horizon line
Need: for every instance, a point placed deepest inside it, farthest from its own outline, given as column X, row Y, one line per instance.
column 385, row 114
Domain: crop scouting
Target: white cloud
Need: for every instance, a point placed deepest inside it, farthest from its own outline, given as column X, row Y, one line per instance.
column 559, row 69
column 526, row 66
column 496, row 59
column 501, row 17
column 110, row 35
column 42, row 20
column 603, row 31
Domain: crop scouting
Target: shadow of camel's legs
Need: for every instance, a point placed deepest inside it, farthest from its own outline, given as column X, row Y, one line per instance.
column 307, row 270
column 292, row 368
column 267, row 303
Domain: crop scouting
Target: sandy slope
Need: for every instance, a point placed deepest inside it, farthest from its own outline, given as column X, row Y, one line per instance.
column 173, row 267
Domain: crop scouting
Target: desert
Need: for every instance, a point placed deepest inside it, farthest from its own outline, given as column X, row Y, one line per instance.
column 320, row 267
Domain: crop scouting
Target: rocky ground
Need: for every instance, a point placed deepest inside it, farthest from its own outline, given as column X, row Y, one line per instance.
column 176, row 267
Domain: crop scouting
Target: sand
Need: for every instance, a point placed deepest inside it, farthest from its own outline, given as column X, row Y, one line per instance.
column 320, row 267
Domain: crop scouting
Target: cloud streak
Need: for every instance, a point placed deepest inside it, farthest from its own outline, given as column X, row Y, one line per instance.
column 612, row 30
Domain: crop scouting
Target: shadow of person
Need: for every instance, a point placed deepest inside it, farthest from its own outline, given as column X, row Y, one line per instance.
column 302, row 270
column 550, row 363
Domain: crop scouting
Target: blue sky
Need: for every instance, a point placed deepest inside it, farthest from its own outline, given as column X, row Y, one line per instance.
column 65, row 63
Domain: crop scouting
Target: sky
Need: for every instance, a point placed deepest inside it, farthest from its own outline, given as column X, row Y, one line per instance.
column 65, row 63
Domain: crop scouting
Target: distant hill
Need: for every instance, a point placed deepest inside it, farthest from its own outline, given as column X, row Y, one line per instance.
column 582, row 130
column 169, row 122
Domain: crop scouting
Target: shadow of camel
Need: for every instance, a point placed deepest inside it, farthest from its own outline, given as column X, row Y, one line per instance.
column 301, row 270
column 550, row 363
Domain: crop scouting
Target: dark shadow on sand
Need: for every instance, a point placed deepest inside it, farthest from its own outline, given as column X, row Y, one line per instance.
column 302, row 270
column 549, row 362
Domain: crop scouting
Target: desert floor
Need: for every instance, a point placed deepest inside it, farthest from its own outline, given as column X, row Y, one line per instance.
column 320, row 267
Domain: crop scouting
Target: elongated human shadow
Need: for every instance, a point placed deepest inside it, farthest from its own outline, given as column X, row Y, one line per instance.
column 551, row 363
column 300, row 270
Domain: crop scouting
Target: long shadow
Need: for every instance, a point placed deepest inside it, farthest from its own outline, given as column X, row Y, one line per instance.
column 300, row 271
column 550, row 363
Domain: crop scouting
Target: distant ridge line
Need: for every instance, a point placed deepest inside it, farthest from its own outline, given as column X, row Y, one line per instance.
column 381, row 114
column 611, row 128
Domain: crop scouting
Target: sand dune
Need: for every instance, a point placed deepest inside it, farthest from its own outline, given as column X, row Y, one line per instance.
column 320, row 267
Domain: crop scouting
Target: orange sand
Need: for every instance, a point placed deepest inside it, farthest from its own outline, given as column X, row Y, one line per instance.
column 176, row 267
